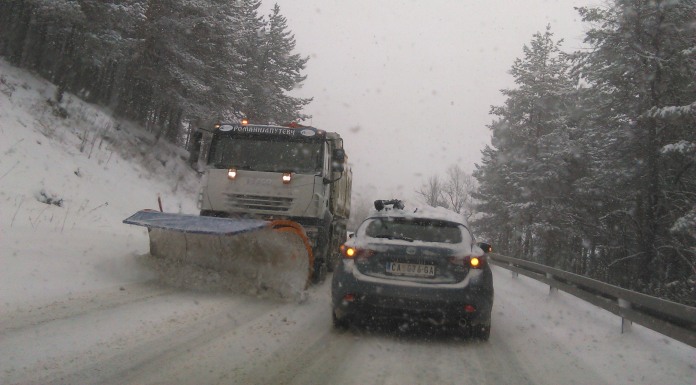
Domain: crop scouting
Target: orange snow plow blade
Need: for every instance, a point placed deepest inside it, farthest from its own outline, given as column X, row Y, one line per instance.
column 268, row 255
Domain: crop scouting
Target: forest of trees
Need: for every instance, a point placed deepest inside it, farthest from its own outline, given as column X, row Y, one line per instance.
column 592, row 163
column 169, row 65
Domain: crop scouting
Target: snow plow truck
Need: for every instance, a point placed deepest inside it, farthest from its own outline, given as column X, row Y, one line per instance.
column 274, row 204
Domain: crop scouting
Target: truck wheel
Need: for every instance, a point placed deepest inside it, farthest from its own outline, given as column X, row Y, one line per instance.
column 332, row 255
column 319, row 271
column 321, row 256
column 333, row 261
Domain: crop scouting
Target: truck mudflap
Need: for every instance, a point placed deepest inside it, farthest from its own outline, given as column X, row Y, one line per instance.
column 273, row 255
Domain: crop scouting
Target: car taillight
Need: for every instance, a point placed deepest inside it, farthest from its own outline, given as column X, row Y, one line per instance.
column 468, row 261
column 350, row 252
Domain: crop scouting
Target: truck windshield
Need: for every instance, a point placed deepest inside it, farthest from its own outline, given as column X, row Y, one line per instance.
column 266, row 155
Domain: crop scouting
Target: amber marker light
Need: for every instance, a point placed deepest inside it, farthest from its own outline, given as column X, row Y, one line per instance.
column 287, row 177
column 357, row 254
column 475, row 262
column 231, row 173
column 245, row 122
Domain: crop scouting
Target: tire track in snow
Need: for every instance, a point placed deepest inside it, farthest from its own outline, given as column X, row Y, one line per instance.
column 388, row 355
column 316, row 350
column 236, row 353
column 315, row 354
column 228, row 351
column 80, row 304
column 47, row 351
column 150, row 356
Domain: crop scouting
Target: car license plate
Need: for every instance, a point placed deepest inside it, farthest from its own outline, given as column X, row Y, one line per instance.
column 410, row 269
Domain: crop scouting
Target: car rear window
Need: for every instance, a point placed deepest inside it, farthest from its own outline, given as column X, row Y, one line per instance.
column 414, row 229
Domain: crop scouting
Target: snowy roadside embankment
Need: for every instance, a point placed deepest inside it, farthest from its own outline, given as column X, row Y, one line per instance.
column 65, row 185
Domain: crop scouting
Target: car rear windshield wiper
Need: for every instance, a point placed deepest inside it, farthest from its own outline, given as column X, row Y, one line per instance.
column 226, row 165
column 391, row 236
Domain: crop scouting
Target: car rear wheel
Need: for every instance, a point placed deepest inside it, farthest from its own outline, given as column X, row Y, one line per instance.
column 339, row 323
column 481, row 332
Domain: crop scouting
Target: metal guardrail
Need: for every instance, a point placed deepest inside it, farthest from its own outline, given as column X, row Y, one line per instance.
column 668, row 318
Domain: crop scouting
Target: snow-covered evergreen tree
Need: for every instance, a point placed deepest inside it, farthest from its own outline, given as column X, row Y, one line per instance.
column 525, row 177
column 274, row 71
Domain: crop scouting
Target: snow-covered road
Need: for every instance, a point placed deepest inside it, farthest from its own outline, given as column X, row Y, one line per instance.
column 148, row 332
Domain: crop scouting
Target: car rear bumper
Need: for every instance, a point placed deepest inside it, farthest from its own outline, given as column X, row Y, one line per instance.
column 358, row 297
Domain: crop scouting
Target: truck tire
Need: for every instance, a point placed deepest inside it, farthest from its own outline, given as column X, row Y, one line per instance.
column 319, row 271
column 333, row 254
column 320, row 261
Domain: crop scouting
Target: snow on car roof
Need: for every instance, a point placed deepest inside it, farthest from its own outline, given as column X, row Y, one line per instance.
column 421, row 211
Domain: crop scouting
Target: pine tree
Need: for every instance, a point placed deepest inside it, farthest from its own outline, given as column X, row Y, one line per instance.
column 525, row 177
column 275, row 70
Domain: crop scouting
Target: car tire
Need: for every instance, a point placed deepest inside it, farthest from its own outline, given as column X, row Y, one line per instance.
column 339, row 323
column 481, row 332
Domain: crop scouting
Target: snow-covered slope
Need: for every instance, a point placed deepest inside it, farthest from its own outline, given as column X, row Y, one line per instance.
column 65, row 185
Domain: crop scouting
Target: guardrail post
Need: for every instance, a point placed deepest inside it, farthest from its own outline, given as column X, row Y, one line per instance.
column 625, row 323
column 551, row 288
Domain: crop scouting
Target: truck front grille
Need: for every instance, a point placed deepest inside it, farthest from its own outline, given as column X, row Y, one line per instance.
column 258, row 202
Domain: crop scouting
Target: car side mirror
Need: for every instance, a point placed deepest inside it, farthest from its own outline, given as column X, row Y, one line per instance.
column 486, row 247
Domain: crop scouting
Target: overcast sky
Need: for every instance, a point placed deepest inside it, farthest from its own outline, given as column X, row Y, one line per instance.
column 409, row 84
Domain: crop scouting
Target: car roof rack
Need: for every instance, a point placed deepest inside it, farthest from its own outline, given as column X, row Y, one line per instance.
column 395, row 203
